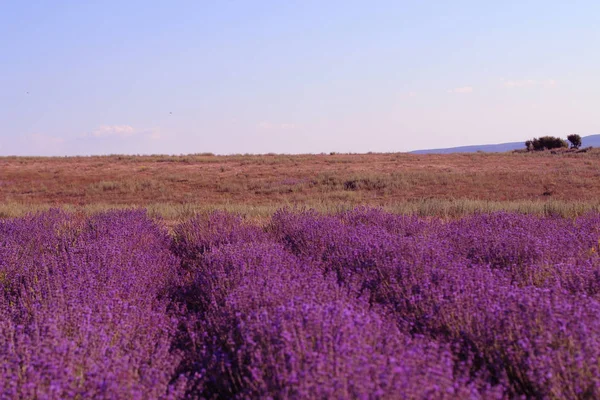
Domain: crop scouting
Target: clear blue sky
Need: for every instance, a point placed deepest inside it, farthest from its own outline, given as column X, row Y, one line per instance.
column 231, row 76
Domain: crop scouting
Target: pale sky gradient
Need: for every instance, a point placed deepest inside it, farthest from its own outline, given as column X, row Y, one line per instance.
column 232, row 76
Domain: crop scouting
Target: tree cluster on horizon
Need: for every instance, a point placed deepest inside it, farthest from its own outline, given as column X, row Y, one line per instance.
column 552, row 142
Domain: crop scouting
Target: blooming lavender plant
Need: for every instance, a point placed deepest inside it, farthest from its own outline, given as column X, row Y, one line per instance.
column 363, row 304
column 81, row 309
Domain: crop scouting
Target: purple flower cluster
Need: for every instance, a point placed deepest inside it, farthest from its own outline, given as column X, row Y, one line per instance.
column 364, row 304
column 83, row 311
column 516, row 296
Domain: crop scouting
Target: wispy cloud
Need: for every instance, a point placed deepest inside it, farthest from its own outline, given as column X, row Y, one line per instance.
column 154, row 135
column 123, row 132
column 462, row 90
column 114, row 130
column 529, row 82
column 280, row 126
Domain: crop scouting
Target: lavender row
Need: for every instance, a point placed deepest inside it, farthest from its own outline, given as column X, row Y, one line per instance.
column 516, row 294
column 269, row 325
column 83, row 311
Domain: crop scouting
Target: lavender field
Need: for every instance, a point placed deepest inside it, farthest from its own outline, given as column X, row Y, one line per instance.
column 363, row 304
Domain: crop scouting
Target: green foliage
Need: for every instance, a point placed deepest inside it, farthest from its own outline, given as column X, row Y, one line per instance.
column 529, row 145
column 575, row 140
column 546, row 143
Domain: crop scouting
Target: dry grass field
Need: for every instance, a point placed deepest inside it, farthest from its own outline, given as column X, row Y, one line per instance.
column 256, row 185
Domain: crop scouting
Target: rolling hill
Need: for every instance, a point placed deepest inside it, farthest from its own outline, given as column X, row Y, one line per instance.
column 591, row 140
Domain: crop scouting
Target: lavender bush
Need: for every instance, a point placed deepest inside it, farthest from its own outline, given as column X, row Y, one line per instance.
column 363, row 304
column 82, row 313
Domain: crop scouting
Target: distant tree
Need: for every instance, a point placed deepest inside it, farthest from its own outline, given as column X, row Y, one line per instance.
column 546, row 143
column 529, row 145
column 575, row 140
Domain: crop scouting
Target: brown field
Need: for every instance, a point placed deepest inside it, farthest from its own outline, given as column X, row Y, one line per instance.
column 176, row 186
